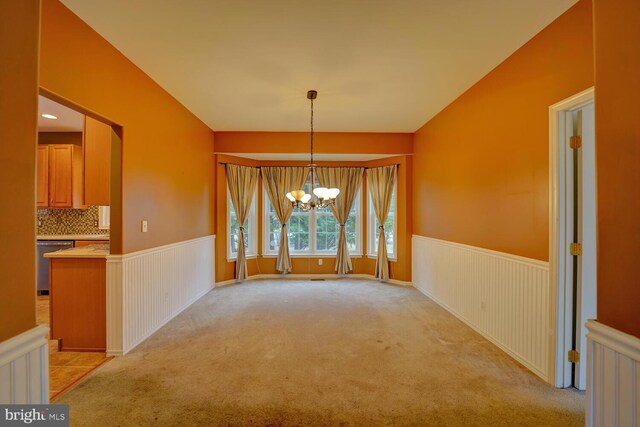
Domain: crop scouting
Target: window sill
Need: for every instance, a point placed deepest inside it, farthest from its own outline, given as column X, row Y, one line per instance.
column 376, row 257
column 248, row 256
column 311, row 255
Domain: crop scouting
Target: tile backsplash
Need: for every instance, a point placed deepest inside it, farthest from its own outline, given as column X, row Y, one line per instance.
column 69, row 221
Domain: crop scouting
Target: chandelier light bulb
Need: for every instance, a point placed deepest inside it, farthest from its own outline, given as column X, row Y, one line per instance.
column 306, row 198
column 332, row 193
column 321, row 192
column 297, row 195
column 290, row 197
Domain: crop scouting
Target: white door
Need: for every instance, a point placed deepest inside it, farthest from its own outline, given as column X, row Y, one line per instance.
column 581, row 229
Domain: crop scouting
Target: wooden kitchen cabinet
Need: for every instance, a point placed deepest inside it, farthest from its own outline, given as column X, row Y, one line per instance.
column 81, row 243
column 59, row 183
column 97, row 162
column 77, row 298
column 60, row 175
column 42, row 165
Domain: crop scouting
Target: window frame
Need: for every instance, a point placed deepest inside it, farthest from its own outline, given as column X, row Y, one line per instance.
column 252, row 220
column 313, row 252
column 372, row 249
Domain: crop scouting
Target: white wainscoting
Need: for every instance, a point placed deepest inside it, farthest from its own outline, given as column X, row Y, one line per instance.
column 503, row 297
column 24, row 367
column 147, row 289
column 613, row 377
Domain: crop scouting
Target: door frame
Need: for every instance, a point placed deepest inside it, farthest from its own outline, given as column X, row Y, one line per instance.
column 115, row 196
column 559, row 336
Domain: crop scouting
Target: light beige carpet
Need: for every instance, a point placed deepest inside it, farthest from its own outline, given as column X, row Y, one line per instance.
column 281, row 353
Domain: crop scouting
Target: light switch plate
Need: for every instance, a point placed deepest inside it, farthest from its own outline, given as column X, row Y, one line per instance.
column 320, row 261
column 144, row 226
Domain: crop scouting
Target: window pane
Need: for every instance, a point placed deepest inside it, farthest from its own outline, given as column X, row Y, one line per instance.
column 350, row 228
column 326, row 231
column 274, row 232
column 299, row 231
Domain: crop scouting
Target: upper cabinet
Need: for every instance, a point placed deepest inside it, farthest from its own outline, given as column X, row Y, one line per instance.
column 74, row 167
column 97, row 164
column 60, row 170
column 43, row 176
column 61, row 176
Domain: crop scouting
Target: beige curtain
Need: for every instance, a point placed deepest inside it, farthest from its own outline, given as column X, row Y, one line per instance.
column 278, row 181
column 242, row 182
column 349, row 181
column 380, row 182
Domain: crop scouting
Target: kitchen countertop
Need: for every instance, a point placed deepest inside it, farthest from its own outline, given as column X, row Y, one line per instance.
column 91, row 251
column 72, row 237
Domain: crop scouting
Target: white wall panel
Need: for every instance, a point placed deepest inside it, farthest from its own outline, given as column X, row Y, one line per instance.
column 146, row 289
column 613, row 377
column 503, row 297
column 24, row 367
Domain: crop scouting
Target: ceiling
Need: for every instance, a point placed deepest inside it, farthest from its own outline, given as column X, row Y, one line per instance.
column 68, row 120
column 378, row 66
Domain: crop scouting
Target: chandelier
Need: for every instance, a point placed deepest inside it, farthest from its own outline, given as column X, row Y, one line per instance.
column 321, row 197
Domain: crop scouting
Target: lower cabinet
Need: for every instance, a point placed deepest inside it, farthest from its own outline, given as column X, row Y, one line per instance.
column 80, row 243
column 78, row 306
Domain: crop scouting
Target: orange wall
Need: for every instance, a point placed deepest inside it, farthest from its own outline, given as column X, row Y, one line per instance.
column 292, row 142
column 617, row 71
column 483, row 178
column 324, row 142
column 168, row 178
column 19, row 34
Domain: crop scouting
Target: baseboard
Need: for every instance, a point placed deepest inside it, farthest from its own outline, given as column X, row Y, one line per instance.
column 24, row 368
column 613, row 377
column 293, row 276
column 503, row 297
column 147, row 289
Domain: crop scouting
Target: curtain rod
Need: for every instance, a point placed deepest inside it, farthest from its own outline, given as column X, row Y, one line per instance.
column 359, row 167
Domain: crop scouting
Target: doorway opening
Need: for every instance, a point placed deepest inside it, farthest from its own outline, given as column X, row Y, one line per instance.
column 572, row 233
column 78, row 201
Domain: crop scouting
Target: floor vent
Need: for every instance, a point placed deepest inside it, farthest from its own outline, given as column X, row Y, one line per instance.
column 317, row 280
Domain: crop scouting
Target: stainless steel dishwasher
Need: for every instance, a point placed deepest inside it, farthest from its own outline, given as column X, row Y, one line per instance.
column 45, row 246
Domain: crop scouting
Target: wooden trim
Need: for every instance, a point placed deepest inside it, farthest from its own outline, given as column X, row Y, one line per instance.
column 293, row 276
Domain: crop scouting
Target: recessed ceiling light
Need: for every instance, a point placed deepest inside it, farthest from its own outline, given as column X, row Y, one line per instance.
column 49, row 116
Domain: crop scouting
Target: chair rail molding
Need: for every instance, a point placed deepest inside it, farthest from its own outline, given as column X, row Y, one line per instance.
column 503, row 297
column 147, row 289
column 24, row 367
column 613, row 377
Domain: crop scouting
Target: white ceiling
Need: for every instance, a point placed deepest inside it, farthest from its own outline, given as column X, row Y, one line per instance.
column 68, row 120
column 378, row 66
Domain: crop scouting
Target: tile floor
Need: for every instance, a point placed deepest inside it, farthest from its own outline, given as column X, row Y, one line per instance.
column 66, row 368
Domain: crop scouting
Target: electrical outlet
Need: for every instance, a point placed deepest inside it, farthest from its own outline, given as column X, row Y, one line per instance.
column 320, row 261
column 144, row 226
